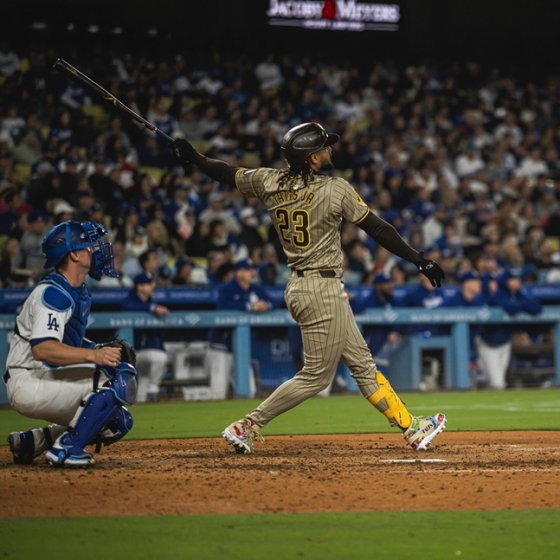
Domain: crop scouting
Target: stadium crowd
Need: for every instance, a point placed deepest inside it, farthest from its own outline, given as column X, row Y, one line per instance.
column 463, row 160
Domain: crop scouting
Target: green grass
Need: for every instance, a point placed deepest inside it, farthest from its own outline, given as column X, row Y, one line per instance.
column 533, row 409
column 515, row 535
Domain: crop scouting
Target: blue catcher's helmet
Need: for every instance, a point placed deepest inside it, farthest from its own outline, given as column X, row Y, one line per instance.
column 75, row 236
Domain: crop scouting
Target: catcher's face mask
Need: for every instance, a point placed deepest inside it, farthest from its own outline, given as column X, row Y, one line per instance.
column 103, row 258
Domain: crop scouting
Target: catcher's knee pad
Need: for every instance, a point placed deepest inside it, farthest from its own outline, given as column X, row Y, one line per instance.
column 123, row 383
column 389, row 403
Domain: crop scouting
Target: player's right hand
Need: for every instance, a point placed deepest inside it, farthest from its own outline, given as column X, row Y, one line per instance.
column 184, row 150
column 108, row 356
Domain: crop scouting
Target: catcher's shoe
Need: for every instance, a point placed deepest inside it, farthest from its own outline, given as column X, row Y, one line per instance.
column 64, row 454
column 423, row 430
column 22, row 446
column 241, row 435
column 61, row 457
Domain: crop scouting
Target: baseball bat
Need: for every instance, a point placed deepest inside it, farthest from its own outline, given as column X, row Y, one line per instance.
column 77, row 76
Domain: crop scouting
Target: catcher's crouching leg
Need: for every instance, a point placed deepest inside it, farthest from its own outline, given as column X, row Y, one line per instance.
column 117, row 427
column 98, row 410
column 389, row 403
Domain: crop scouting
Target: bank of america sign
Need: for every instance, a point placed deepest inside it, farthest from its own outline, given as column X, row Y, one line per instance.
column 336, row 15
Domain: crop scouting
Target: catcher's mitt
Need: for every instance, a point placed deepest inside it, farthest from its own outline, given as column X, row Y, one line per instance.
column 128, row 354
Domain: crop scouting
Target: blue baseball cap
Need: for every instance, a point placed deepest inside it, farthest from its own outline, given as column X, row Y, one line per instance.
column 144, row 278
column 35, row 216
column 244, row 264
column 181, row 262
column 468, row 275
column 164, row 271
column 382, row 278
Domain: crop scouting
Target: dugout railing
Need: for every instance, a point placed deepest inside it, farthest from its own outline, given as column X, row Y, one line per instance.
column 458, row 319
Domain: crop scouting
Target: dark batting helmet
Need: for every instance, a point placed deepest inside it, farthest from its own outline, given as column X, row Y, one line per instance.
column 303, row 140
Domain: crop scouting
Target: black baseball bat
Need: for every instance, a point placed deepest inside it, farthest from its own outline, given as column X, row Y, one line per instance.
column 77, row 76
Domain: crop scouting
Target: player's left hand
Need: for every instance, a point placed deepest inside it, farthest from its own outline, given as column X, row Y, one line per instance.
column 430, row 269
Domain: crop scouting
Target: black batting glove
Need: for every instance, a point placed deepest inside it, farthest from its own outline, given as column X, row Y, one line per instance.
column 185, row 151
column 430, row 269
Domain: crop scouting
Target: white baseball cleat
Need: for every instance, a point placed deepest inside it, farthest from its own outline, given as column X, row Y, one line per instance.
column 241, row 435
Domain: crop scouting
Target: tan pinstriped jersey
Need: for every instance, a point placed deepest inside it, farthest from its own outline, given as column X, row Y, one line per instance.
column 307, row 219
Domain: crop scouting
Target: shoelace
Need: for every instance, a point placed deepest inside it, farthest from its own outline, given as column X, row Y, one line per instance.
column 251, row 432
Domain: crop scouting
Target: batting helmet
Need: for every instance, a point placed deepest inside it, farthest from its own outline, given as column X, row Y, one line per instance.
column 303, row 140
column 70, row 236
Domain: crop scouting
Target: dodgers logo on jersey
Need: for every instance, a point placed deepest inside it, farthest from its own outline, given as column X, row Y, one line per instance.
column 52, row 323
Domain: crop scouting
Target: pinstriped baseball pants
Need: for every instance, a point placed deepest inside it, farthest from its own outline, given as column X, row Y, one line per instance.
column 330, row 334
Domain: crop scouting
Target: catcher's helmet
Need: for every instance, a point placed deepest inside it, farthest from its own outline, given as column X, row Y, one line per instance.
column 74, row 236
column 303, row 140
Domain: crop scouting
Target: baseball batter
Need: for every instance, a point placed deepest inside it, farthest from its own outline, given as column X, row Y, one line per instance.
column 53, row 372
column 307, row 207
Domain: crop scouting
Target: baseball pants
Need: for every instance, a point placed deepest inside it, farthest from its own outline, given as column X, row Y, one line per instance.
column 494, row 362
column 330, row 334
column 151, row 365
column 53, row 395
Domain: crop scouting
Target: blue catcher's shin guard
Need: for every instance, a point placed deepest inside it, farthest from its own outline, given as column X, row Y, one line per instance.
column 102, row 410
column 117, row 427
column 98, row 409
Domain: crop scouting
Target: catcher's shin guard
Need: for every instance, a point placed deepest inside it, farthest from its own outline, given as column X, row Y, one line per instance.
column 389, row 403
column 118, row 426
column 96, row 411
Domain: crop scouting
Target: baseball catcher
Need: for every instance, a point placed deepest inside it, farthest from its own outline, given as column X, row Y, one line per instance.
column 56, row 374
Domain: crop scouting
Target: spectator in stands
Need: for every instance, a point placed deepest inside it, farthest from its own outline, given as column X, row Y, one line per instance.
column 215, row 260
column 469, row 295
column 13, row 210
column 159, row 240
column 380, row 338
column 243, row 294
column 28, row 151
column 163, row 276
column 188, row 274
column 100, row 183
column 151, row 362
column 216, row 211
column 159, row 116
column 10, row 275
column 62, row 212
column 31, row 254
column 360, row 260
column 494, row 341
column 271, row 272
column 249, row 234
column 268, row 73
column 149, row 262
column 223, row 240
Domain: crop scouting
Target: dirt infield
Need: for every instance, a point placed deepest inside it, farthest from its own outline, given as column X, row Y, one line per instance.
column 374, row 472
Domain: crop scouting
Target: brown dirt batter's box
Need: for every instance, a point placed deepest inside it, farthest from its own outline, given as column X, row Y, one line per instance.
column 475, row 470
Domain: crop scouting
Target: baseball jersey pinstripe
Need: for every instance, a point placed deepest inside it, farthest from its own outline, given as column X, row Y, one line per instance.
column 307, row 220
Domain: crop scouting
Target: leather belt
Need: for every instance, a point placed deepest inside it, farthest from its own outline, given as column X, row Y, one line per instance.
column 323, row 273
column 6, row 376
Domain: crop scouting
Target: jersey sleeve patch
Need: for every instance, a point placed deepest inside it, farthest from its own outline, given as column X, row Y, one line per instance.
column 55, row 298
